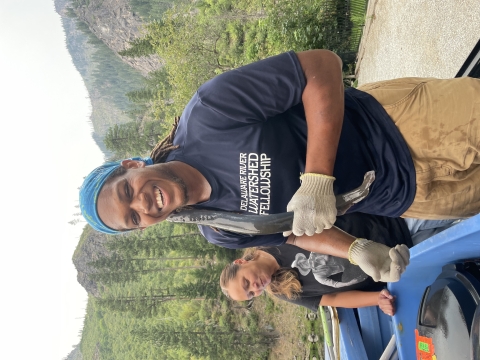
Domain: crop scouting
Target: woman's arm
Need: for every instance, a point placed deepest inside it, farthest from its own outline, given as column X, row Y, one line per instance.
column 377, row 260
column 357, row 299
column 332, row 241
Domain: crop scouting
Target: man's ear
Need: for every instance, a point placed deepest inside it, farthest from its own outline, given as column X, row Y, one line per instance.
column 132, row 164
column 240, row 261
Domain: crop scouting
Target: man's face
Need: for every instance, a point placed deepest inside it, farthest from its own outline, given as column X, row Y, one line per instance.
column 142, row 196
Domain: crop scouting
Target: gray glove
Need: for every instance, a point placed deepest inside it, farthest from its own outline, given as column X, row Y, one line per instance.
column 379, row 261
column 313, row 205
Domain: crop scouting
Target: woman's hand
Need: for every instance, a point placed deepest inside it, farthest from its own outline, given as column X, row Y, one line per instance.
column 378, row 260
column 386, row 302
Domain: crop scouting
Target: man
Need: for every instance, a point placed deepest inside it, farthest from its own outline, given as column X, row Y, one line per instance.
column 241, row 144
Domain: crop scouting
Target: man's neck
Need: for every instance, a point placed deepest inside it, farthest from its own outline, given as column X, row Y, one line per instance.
column 199, row 188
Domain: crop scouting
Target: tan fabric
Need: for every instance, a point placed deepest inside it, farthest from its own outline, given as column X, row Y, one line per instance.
column 439, row 120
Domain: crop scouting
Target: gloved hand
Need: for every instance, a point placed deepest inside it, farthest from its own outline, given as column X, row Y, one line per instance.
column 313, row 205
column 379, row 261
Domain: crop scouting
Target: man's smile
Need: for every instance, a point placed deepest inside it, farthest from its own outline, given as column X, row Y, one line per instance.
column 159, row 197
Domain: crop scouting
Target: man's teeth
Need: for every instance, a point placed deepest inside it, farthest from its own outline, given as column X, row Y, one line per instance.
column 159, row 197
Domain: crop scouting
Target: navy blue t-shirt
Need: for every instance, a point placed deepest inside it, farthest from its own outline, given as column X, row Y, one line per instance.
column 245, row 131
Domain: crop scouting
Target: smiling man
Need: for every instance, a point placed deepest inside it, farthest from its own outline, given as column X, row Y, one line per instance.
column 241, row 144
column 147, row 196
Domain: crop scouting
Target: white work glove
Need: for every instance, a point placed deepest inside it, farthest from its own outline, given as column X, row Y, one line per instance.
column 379, row 261
column 313, row 205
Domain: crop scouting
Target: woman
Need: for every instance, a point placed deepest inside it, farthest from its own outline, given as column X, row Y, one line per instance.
column 310, row 279
column 303, row 278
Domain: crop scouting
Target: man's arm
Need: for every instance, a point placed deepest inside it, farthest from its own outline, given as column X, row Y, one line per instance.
column 323, row 101
column 377, row 260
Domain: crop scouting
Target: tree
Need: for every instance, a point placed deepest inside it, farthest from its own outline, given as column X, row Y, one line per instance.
column 131, row 273
column 130, row 139
column 188, row 42
column 206, row 284
column 138, row 47
column 75, row 221
column 209, row 341
column 142, row 305
column 151, row 9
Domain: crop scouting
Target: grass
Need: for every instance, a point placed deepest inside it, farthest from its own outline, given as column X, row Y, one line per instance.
column 358, row 9
column 315, row 327
column 289, row 323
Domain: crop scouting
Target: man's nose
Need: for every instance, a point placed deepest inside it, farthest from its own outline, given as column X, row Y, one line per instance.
column 140, row 204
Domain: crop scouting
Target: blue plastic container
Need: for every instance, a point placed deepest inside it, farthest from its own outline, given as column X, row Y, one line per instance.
column 367, row 338
column 460, row 242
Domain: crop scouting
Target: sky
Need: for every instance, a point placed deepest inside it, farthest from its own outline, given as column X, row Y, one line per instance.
column 47, row 149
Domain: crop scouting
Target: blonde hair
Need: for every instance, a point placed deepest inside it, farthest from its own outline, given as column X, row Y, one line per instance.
column 284, row 280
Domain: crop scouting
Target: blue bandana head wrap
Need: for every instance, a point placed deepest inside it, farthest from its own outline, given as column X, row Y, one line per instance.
column 91, row 188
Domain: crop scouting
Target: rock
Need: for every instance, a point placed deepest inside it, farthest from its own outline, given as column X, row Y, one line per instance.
column 269, row 327
column 75, row 354
column 91, row 247
column 113, row 22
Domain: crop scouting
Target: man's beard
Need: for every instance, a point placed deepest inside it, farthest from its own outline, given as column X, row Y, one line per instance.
column 170, row 175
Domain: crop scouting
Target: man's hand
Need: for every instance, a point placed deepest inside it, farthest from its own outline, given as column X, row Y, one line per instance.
column 313, row 205
column 386, row 302
column 379, row 261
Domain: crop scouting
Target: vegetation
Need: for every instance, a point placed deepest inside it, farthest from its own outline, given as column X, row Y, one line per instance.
column 197, row 40
column 201, row 39
column 130, row 139
column 151, row 9
column 160, row 297
column 106, row 77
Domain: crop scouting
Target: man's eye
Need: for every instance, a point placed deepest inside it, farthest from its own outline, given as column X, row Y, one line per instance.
column 127, row 191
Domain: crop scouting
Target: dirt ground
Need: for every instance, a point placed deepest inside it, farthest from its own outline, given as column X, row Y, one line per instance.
column 426, row 38
column 289, row 322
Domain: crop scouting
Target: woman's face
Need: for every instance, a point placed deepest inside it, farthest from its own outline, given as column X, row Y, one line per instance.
column 251, row 279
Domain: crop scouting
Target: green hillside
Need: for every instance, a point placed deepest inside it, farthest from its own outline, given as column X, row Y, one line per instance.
column 106, row 77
